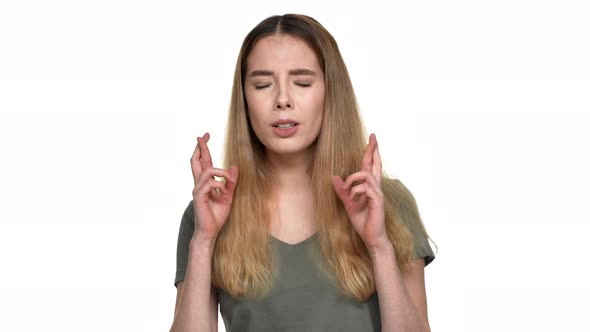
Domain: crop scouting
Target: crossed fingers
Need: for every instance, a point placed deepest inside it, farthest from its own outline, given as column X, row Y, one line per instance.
column 201, row 157
column 372, row 160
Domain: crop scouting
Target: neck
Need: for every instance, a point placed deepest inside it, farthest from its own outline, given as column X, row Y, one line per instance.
column 291, row 172
column 291, row 193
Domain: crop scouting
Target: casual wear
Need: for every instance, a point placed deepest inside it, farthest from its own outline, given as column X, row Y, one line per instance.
column 304, row 296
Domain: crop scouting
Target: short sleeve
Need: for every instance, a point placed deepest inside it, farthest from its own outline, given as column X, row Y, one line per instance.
column 410, row 215
column 185, row 233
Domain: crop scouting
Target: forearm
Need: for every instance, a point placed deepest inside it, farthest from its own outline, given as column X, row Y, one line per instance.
column 398, row 312
column 193, row 313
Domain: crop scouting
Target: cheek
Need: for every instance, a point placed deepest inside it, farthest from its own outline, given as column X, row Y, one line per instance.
column 317, row 116
column 318, row 106
column 254, row 107
column 257, row 101
column 318, row 98
column 256, row 122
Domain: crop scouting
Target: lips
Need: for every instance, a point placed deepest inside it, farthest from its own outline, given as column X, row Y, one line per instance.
column 285, row 128
column 285, row 123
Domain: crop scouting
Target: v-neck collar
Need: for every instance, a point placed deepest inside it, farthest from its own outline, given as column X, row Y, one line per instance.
column 298, row 244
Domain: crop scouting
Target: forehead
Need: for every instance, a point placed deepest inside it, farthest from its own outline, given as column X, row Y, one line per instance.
column 281, row 52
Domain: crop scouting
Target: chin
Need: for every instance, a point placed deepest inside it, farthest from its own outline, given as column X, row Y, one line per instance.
column 284, row 150
column 287, row 148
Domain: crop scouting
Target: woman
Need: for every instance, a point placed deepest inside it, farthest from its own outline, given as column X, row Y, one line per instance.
column 303, row 233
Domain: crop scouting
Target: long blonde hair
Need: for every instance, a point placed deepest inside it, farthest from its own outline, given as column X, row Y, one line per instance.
column 242, row 259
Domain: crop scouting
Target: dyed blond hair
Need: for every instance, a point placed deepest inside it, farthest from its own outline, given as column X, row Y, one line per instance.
column 242, row 260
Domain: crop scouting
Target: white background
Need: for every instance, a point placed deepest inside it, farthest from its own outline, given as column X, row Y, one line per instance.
column 481, row 109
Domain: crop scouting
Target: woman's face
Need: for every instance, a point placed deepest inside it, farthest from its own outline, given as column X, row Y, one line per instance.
column 284, row 82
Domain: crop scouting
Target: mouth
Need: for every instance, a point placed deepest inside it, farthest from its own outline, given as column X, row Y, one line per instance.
column 285, row 128
column 285, row 124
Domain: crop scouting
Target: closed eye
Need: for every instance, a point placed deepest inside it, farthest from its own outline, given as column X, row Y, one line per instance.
column 303, row 85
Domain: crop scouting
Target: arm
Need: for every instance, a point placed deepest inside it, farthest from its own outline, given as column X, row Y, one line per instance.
column 402, row 296
column 212, row 304
column 196, row 307
column 196, row 303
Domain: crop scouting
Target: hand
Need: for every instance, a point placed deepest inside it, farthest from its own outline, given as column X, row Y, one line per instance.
column 364, row 201
column 211, row 198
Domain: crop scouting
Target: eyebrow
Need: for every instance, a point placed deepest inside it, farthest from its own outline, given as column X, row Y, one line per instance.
column 299, row 71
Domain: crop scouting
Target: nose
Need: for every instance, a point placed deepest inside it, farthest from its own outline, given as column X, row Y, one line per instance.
column 283, row 101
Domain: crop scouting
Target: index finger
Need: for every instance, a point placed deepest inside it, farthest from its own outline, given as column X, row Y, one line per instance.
column 204, row 150
column 196, row 166
column 377, row 167
column 196, row 162
column 367, row 163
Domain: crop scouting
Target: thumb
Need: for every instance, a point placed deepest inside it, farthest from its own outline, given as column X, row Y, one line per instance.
column 233, row 181
column 337, row 183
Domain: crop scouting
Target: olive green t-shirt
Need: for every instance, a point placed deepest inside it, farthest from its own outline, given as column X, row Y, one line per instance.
column 303, row 298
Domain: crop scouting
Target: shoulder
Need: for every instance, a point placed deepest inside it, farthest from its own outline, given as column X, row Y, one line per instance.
column 189, row 211
column 397, row 193
column 404, row 204
column 406, row 208
column 188, row 217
